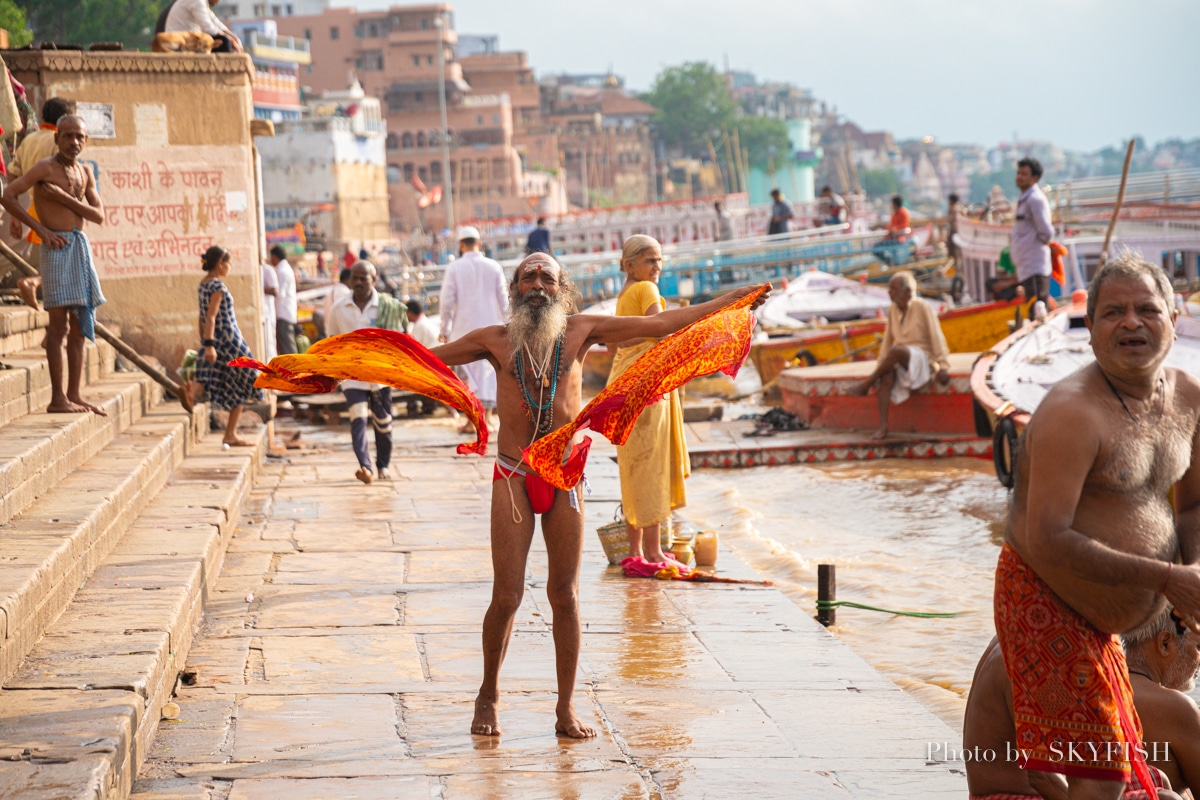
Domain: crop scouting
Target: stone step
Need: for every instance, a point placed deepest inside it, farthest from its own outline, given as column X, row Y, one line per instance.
column 21, row 328
column 38, row 450
column 820, row 396
column 52, row 546
column 25, row 378
column 78, row 715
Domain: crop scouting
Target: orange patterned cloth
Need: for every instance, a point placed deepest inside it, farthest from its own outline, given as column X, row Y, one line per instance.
column 378, row 356
column 1072, row 702
column 717, row 343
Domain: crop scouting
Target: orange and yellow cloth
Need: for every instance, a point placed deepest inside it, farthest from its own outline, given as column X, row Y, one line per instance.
column 378, row 356
column 1072, row 702
column 718, row 342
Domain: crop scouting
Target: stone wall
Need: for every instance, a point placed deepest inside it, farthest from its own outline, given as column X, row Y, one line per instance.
column 175, row 171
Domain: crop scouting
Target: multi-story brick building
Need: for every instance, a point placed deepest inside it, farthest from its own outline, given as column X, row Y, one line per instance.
column 394, row 54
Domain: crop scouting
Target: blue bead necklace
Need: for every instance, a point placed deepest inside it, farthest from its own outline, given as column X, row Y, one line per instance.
column 545, row 421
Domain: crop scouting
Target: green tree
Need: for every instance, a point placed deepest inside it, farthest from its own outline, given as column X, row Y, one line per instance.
column 12, row 19
column 879, row 182
column 767, row 140
column 693, row 103
column 86, row 22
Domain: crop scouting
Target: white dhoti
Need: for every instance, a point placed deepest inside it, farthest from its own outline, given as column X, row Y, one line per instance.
column 481, row 379
column 911, row 378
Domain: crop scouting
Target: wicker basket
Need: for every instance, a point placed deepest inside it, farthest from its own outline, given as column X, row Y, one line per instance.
column 614, row 539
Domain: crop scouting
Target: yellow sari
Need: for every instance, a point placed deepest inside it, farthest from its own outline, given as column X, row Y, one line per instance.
column 654, row 460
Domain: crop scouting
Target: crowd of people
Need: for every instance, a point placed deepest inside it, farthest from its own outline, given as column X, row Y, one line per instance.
column 1097, row 590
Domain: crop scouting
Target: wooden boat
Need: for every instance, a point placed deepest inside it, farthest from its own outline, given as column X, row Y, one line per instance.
column 970, row 329
column 821, row 295
column 1010, row 380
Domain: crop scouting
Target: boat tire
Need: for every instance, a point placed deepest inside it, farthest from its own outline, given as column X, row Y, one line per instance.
column 983, row 424
column 807, row 357
column 1004, row 451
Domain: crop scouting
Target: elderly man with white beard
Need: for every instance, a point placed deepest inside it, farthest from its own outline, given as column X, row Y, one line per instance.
column 538, row 358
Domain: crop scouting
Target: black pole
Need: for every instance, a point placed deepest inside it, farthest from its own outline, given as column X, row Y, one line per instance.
column 826, row 593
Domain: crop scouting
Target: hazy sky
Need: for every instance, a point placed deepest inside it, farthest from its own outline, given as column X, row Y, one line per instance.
column 1081, row 73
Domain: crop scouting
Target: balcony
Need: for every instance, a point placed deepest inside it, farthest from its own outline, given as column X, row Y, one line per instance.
column 278, row 48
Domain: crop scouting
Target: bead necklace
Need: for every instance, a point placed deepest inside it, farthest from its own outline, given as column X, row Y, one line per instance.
column 545, row 411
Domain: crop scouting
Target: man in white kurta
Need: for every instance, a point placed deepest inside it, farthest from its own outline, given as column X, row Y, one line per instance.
column 474, row 295
column 912, row 353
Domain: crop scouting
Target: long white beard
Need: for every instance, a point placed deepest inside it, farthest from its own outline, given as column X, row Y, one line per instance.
column 535, row 329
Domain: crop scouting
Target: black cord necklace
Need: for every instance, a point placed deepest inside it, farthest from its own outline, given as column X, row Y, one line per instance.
column 1121, row 399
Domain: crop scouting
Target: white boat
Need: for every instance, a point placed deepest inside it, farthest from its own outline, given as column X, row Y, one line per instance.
column 815, row 294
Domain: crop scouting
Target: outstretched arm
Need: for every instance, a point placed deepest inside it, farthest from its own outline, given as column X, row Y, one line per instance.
column 606, row 330
column 472, row 347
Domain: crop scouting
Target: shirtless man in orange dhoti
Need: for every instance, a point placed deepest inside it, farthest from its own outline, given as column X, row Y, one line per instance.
column 1092, row 544
column 538, row 357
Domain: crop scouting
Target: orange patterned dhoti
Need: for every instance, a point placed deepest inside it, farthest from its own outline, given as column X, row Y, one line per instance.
column 1072, row 702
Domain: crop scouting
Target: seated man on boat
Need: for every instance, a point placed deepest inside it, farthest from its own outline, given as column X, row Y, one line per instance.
column 1092, row 538
column 989, row 737
column 913, row 350
column 1163, row 657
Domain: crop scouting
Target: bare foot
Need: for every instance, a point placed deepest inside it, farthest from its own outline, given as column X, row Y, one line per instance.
column 364, row 475
column 859, row 389
column 384, row 475
column 468, row 428
column 237, row 441
column 65, row 406
column 879, row 435
column 570, row 725
column 27, row 288
column 486, row 722
column 79, row 401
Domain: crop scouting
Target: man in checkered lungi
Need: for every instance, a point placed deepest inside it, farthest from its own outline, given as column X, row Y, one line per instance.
column 66, row 196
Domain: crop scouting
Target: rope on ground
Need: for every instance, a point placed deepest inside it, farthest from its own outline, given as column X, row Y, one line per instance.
column 826, row 605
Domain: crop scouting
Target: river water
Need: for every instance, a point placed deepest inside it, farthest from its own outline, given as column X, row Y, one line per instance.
column 904, row 534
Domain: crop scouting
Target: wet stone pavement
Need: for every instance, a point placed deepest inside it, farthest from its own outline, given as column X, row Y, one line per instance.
column 339, row 658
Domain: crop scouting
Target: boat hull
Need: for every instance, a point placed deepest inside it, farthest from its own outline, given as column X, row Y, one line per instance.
column 972, row 329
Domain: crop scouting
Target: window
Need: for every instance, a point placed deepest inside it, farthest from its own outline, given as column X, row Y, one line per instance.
column 416, row 61
column 479, row 120
column 428, row 60
column 308, row 33
column 423, row 173
column 408, row 171
column 333, row 32
column 289, row 9
column 276, row 10
column 373, row 30
column 495, row 119
column 435, row 172
column 260, row 10
column 406, row 141
column 233, row 11
column 358, row 30
column 393, row 141
column 418, row 96
column 424, row 24
column 421, row 139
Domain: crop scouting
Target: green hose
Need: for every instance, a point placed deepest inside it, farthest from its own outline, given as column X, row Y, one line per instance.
column 827, row 605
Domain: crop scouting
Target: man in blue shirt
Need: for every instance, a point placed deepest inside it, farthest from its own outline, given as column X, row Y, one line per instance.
column 781, row 214
column 539, row 239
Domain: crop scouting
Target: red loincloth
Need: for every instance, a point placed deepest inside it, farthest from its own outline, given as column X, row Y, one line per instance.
column 541, row 494
column 1070, row 683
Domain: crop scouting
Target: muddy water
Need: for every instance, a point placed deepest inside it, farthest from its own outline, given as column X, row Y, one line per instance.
column 914, row 535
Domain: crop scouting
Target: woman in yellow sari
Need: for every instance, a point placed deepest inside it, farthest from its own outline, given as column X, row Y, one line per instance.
column 654, row 461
